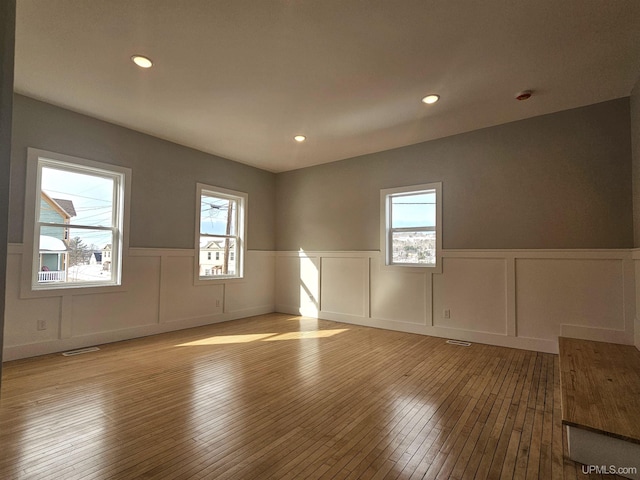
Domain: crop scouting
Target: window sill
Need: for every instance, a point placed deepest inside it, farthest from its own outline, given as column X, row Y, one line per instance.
column 70, row 291
column 411, row 267
column 218, row 281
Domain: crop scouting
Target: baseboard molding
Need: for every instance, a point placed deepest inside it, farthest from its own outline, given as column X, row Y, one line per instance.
column 17, row 352
column 293, row 310
column 249, row 312
column 596, row 334
column 523, row 343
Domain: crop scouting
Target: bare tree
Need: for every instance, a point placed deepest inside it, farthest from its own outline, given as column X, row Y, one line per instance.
column 78, row 252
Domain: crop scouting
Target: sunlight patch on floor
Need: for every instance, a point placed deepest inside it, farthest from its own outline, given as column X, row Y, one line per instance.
column 265, row 337
column 227, row 339
column 308, row 334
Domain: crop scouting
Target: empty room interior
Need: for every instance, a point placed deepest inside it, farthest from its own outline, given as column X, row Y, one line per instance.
column 320, row 239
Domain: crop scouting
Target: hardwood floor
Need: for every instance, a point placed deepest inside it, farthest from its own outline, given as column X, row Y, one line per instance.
column 284, row 397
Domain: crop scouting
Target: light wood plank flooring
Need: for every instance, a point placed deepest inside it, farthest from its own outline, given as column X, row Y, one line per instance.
column 284, row 397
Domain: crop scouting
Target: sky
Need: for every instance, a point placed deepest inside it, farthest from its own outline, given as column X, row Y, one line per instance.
column 92, row 199
column 417, row 210
column 213, row 215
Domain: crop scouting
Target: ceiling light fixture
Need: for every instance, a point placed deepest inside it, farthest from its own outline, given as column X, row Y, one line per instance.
column 299, row 138
column 430, row 99
column 142, row 61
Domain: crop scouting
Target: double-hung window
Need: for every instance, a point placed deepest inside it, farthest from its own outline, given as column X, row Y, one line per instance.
column 220, row 236
column 410, row 231
column 78, row 222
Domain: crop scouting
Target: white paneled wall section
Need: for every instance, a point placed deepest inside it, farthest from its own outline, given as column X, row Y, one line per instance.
column 158, row 295
column 515, row 298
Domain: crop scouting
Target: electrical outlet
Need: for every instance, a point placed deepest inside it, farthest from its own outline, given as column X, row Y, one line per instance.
column 446, row 313
column 42, row 324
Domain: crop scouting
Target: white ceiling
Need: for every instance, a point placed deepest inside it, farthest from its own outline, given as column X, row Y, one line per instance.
column 240, row 78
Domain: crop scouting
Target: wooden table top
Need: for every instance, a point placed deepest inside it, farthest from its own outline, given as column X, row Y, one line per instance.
column 600, row 384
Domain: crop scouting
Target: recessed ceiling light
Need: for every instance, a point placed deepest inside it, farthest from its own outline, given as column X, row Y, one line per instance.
column 524, row 95
column 429, row 99
column 299, row 138
column 141, row 61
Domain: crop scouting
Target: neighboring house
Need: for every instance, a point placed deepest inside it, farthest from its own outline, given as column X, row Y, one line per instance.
column 106, row 257
column 212, row 258
column 96, row 258
column 54, row 240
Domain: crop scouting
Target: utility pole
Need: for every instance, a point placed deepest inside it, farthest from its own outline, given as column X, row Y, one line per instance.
column 225, row 265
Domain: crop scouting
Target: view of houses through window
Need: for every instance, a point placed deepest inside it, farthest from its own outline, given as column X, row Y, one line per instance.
column 77, row 225
column 221, row 234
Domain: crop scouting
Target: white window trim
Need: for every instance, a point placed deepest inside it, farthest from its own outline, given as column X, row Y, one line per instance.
column 241, row 248
column 385, row 227
column 32, row 204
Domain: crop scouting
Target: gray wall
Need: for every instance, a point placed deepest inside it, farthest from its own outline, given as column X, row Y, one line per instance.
column 556, row 181
column 7, row 40
column 163, row 181
column 635, row 145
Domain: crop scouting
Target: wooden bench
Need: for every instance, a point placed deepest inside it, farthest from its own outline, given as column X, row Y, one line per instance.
column 600, row 385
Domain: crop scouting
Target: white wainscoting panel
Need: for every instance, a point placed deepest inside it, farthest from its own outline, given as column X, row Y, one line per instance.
column 158, row 295
column 474, row 291
column 135, row 307
column 298, row 284
column 579, row 292
column 22, row 316
column 399, row 295
column 344, row 286
column 257, row 291
column 636, row 270
column 515, row 298
column 180, row 298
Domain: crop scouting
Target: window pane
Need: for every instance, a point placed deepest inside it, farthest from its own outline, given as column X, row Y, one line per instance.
column 217, row 215
column 70, row 197
column 72, row 255
column 417, row 210
column 217, row 256
column 414, row 247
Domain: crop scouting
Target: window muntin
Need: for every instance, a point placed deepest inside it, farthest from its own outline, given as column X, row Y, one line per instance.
column 410, row 225
column 78, row 216
column 221, row 230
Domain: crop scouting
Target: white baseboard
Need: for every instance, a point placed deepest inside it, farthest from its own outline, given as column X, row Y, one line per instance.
column 293, row 310
column 535, row 344
column 16, row 352
column 596, row 334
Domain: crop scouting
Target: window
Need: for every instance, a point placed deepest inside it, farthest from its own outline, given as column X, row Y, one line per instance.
column 78, row 222
column 221, row 230
column 410, row 231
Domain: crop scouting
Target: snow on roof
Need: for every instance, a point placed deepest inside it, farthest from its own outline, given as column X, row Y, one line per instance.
column 51, row 244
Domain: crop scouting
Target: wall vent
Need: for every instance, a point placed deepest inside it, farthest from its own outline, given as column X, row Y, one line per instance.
column 80, row 351
column 458, row 342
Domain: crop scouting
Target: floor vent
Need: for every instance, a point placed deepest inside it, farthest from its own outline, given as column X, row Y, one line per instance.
column 80, row 351
column 458, row 342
